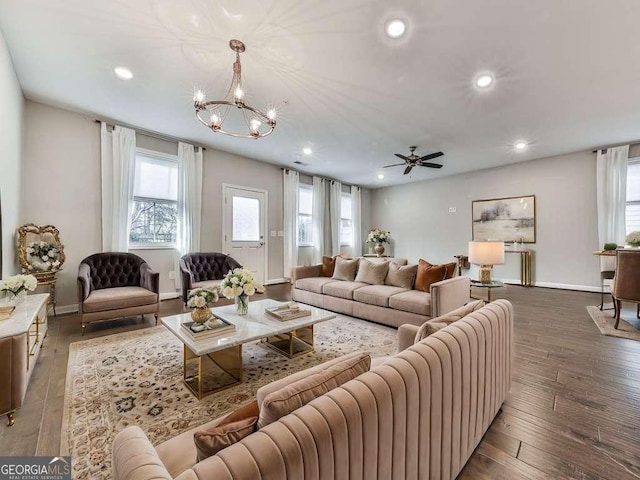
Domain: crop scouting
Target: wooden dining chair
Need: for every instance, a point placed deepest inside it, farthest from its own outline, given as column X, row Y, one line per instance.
column 626, row 282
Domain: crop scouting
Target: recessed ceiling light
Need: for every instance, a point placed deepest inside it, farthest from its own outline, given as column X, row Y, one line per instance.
column 123, row 73
column 484, row 80
column 395, row 28
column 307, row 151
column 381, row 176
column 521, row 146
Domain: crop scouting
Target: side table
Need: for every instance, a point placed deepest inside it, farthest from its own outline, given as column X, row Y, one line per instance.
column 48, row 279
column 489, row 286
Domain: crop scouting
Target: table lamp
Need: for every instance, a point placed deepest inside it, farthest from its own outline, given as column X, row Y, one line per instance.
column 486, row 254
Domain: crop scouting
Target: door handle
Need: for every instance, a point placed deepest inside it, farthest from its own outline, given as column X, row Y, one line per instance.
column 261, row 244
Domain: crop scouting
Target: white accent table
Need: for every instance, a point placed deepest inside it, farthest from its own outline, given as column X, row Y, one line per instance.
column 222, row 355
column 21, row 337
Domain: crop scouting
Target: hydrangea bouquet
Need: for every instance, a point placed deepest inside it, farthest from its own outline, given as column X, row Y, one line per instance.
column 239, row 284
column 44, row 256
column 16, row 287
column 378, row 236
column 633, row 239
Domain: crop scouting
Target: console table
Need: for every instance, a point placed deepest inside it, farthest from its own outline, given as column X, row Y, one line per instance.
column 21, row 337
column 526, row 264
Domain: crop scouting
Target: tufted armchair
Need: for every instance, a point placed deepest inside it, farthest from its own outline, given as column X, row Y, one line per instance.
column 203, row 270
column 114, row 285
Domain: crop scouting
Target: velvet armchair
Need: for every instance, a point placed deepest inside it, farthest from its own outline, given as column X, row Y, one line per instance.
column 204, row 270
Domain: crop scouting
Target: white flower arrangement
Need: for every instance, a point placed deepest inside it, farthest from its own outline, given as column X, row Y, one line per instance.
column 238, row 282
column 18, row 284
column 634, row 238
column 44, row 256
column 202, row 297
column 378, row 236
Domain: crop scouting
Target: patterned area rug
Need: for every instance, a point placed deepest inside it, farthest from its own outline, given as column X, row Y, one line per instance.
column 629, row 326
column 135, row 378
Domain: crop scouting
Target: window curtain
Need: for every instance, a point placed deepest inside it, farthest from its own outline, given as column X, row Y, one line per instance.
column 189, row 203
column 356, row 213
column 319, row 207
column 335, row 200
column 291, row 180
column 611, row 173
column 117, row 162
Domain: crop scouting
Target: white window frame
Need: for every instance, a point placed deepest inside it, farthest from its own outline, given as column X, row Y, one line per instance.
column 304, row 186
column 162, row 157
column 635, row 162
column 346, row 195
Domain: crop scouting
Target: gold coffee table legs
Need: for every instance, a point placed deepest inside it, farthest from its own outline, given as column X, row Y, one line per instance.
column 292, row 344
column 210, row 373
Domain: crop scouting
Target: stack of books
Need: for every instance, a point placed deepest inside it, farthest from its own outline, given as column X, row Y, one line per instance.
column 211, row 328
column 286, row 312
column 5, row 312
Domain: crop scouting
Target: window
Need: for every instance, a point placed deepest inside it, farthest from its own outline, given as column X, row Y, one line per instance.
column 633, row 196
column 305, row 219
column 346, row 220
column 155, row 200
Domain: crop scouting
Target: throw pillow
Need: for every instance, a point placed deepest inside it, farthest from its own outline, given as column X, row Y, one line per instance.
column 428, row 274
column 328, row 266
column 372, row 273
column 345, row 269
column 282, row 402
column 401, row 276
column 231, row 429
column 451, row 269
column 442, row 321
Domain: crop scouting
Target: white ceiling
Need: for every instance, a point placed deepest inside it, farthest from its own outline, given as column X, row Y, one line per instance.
column 567, row 74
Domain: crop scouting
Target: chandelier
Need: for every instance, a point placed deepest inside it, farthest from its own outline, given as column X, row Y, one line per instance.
column 213, row 114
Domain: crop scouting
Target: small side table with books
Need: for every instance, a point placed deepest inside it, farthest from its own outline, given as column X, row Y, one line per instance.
column 489, row 286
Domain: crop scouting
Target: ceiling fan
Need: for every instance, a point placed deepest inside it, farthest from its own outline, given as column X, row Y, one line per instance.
column 414, row 160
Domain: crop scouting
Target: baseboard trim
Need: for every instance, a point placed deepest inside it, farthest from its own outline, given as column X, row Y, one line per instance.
column 565, row 286
column 276, row 281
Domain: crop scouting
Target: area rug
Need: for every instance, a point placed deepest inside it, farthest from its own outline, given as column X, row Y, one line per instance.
column 604, row 321
column 135, row 378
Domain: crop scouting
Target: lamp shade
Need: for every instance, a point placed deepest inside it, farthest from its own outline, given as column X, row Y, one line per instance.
column 486, row 253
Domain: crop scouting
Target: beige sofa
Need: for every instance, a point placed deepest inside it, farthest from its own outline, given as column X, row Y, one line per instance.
column 393, row 306
column 420, row 414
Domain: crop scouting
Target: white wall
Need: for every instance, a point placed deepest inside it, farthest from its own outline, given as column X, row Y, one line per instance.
column 11, row 142
column 61, row 186
column 418, row 217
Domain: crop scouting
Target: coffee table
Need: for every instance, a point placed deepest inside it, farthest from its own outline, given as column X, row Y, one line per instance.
column 215, row 363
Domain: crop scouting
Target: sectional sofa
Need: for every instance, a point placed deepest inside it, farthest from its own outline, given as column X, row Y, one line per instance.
column 386, row 304
column 419, row 414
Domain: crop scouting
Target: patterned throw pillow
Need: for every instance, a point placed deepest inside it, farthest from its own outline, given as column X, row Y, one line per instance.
column 431, row 326
column 345, row 269
column 233, row 428
column 372, row 273
column 401, row 276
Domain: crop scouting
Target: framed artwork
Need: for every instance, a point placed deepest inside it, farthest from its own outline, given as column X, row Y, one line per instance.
column 509, row 219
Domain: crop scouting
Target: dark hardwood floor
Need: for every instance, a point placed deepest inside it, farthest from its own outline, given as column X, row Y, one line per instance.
column 573, row 410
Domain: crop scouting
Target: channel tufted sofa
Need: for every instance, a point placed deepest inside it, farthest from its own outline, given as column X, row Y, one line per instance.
column 389, row 305
column 420, row 414
column 115, row 285
column 204, row 270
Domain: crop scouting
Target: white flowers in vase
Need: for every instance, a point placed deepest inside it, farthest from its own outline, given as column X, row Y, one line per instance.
column 633, row 239
column 43, row 256
column 240, row 282
column 202, row 297
column 16, row 285
column 378, row 236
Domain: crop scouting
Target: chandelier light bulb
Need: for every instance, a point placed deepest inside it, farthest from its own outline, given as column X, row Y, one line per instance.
column 198, row 96
column 238, row 93
column 215, row 120
column 271, row 114
column 254, row 126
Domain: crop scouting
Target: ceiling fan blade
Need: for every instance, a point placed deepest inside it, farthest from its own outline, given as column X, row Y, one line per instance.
column 408, row 169
column 431, row 156
column 430, row 165
column 394, row 165
column 402, row 157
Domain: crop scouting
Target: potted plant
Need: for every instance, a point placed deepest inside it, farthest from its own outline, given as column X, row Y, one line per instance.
column 239, row 284
column 378, row 237
column 199, row 301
